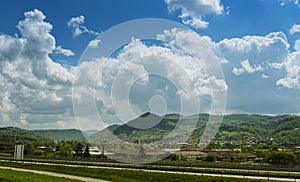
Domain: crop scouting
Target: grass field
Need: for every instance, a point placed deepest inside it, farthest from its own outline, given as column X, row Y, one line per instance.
column 185, row 166
column 125, row 175
column 17, row 176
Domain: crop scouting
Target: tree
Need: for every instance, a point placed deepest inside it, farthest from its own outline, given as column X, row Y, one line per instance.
column 141, row 153
column 79, row 149
column 279, row 157
column 65, row 149
column 29, row 149
column 289, row 158
column 86, row 153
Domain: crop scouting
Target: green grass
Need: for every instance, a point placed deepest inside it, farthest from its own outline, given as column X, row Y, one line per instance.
column 124, row 175
column 196, row 166
column 16, row 176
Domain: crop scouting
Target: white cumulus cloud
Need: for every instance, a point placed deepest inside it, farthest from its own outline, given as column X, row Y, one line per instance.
column 66, row 52
column 76, row 24
column 297, row 45
column 284, row 2
column 246, row 67
column 94, row 43
column 31, row 83
column 147, row 71
column 193, row 12
column 292, row 68
column 295, row 29
column 264, row 76
column 270, row 48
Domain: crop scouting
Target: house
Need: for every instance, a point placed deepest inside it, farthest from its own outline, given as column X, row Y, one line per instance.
column 242, row 157
column 221, row 154
column 96, row 151
column 191, row 155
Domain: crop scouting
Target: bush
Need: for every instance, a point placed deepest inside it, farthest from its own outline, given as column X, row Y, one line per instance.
column 173, row 157
column 211, row 158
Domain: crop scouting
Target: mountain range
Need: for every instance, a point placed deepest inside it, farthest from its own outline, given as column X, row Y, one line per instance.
column 281, row 129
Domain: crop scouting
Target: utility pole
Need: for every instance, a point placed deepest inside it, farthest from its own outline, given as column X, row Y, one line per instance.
column 102, row 149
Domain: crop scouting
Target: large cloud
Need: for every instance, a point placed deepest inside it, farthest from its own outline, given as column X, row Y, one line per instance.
column 127, row 82
column 292, row 68
column 31, row 82
column 257, row 49
column 264, row 54
column 193, row 12
column 261, row 72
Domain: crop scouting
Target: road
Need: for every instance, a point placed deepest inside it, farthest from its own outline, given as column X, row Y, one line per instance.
column 54, row 174
column 173, row 172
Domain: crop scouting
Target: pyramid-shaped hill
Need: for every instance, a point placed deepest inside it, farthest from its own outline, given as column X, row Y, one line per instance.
column 147, row 123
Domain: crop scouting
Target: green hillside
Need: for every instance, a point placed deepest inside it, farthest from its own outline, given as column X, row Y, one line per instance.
column 288, row 132
column 13, row 134
column 61, row 135
column 153, row 130
column 283, row 129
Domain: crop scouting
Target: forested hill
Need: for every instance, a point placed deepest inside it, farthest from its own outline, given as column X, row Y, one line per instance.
column 13, row 134
column 16, row 134
column 61, row 135
column 282, row 129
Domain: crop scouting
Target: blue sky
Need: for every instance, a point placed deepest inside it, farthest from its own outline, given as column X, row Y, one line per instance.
column 258, row 17
column 255, row 44
column 100, row 15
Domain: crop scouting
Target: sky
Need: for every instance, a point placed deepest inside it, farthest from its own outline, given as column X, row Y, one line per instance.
column 87, row 65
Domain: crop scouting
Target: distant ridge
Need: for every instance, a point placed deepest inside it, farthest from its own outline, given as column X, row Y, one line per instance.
column 61, row 135
column 17, row 134
column 14, row 134
column 283, row 129
column 91, row 132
